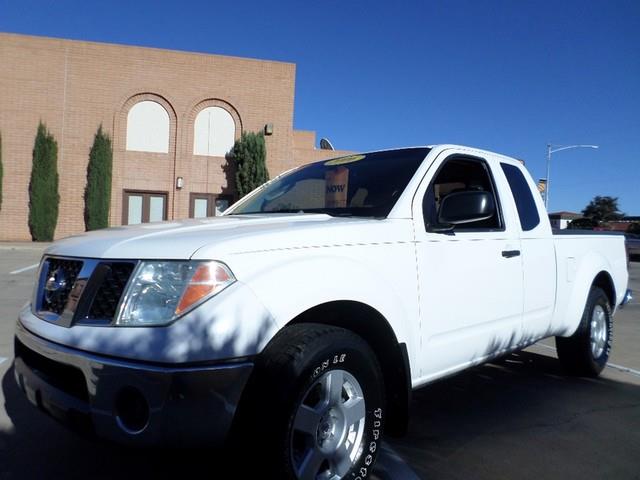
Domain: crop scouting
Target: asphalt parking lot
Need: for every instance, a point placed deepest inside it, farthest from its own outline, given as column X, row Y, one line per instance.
column 517, row 418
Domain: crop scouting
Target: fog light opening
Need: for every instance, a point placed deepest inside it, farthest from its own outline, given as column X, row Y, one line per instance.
column 132, row 410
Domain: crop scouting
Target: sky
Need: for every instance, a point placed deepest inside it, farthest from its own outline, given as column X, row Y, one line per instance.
column 505, row 75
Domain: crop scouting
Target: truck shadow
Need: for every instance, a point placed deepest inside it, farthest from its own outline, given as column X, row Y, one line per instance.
column 522, row 417
column 38, row 447
column 502, row 415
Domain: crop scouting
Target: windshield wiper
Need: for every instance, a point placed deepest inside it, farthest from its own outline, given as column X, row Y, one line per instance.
column 288, row 210
column 317, row 211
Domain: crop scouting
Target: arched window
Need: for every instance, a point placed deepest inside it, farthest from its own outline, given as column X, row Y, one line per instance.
column 148, row 128
column 214, row 132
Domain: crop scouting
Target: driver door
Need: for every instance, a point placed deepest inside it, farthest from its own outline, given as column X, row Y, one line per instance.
column 470, row 276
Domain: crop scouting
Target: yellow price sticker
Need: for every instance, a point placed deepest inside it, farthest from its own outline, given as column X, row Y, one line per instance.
column 343, row 160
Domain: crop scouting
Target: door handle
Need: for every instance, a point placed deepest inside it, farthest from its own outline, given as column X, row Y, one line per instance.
column 510, row 253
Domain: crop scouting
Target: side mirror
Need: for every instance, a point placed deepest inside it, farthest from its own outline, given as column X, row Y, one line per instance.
column 466, row 207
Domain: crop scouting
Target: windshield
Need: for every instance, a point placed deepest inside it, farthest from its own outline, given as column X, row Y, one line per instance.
column 364, row 185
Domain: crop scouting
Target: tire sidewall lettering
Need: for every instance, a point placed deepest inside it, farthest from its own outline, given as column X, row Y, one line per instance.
column 337, row 359
column 361, row 469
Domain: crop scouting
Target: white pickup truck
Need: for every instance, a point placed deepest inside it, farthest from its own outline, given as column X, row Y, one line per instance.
column 313, row 307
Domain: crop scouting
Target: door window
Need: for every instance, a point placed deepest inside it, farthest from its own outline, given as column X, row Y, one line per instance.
column 202, row 205
column 134, row 212
column 200, row 208
column 143, row 207
column 222, row 203
column 156, row 208
column 461, row 174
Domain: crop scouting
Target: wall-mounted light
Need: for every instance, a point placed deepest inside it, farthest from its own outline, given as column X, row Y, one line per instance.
column 179, row 183
column 268, row 129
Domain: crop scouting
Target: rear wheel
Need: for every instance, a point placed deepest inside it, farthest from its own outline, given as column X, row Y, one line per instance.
column 587, row 351
column 318, row 391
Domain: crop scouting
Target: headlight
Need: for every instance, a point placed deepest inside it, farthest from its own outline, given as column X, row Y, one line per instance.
column 162, row 291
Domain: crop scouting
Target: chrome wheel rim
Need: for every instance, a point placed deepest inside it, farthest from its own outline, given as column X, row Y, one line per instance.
column 328, row 428
column 598, row 331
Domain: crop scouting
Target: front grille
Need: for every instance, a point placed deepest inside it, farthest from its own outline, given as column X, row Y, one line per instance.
column 59, row 276
column 83, row 291
column 59, row 375
column 107, row 297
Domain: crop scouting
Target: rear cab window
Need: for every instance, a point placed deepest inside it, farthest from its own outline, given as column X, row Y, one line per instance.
column 521, row 191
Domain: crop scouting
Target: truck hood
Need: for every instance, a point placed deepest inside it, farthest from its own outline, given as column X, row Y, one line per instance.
column 218, row 236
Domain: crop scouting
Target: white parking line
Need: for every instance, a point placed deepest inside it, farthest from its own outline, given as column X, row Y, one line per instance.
column 624, row 369
column 621, row 368
column 544, row 346
column 25, row 269
column 2, row 359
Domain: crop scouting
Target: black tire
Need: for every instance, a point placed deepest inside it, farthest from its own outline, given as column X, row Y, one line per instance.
column 298, row 359
column 575, row 352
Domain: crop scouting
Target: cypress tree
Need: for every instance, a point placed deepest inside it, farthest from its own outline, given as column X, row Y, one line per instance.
column 43, row 187
column 250, row 156
column 97, row 194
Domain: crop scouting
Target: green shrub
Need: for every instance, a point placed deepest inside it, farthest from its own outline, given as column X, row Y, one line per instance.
column 603, row 209
column 583, row 224
column 97, row 194
column 634, row 227
column 250, row 156
column 43, row 187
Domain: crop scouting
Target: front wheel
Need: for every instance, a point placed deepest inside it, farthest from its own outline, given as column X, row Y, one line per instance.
column 318, row 390
column 587, row 351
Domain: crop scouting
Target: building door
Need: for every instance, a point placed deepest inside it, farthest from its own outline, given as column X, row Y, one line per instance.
column 142, row 207
column 202, row 205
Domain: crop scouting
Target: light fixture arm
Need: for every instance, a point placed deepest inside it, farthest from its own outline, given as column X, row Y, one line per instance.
column 559, row 148
column 553, row 149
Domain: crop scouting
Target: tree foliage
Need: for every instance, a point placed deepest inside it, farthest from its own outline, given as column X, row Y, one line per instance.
column 97, row 193
column 250, row 156
column 603, row 209
column 582, row 224
column 43, row 187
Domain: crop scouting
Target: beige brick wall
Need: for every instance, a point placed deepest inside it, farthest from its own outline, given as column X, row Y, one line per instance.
column 304, row 150
column 75, row 86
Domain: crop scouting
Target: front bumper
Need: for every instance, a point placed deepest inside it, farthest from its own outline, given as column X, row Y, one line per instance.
column 130, row 402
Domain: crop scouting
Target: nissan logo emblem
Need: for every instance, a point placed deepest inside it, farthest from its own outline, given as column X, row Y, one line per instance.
column 56, row 283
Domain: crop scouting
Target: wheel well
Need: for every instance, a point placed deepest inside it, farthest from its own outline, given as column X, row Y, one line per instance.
column 371, row 325
column 604, row 281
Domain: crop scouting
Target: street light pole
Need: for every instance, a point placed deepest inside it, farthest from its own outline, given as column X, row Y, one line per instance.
column 553, row 149
column 546, row 185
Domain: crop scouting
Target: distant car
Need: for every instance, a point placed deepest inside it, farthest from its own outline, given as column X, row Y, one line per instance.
column 632, row 242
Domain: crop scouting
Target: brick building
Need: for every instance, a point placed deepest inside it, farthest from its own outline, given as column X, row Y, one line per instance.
column 171, row 116
column 560, row 220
